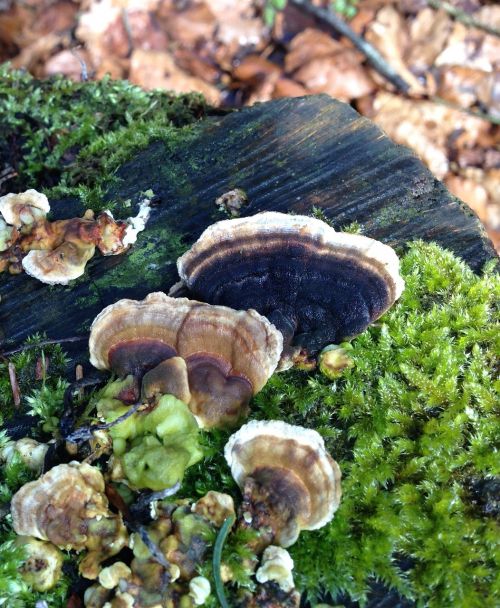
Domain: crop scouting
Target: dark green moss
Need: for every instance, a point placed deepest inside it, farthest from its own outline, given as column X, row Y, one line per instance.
column 69, row 138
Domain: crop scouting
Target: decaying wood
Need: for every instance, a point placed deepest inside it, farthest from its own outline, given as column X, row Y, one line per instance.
column 288, row 155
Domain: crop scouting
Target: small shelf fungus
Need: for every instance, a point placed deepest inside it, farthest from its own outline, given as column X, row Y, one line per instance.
column 316, row 285
column 57, row 252
column 43, row 565
column 68, row 507
column 289, row 482
column 212, row 357
column 164, row 569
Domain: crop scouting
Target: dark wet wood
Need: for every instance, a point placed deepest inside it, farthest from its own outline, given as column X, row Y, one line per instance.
column 288, row 155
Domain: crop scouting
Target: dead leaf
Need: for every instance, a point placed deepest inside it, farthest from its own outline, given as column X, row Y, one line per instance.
column 389, row 34
column 464, row 86
column 66, row 63
column 308, row 45
column 285, row 87
column 189, row 25
column 254, row 69
column 426, row 127
column 157, row 69
column 429, row 32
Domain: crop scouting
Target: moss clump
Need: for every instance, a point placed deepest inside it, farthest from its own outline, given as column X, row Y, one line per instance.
column 411, row 424
column 70, row 137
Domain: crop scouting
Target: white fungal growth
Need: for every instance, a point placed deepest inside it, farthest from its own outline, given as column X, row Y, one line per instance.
column 277, row 566
column 138, row 223
column 199, row 589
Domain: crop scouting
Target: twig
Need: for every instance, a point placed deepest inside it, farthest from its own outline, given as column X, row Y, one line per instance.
column 495, row 120
column 16, row 393
column 21, row 349
column 85, row 432
column 84, row 75
column 463, row 17
column 371, row 53
column 78, row 377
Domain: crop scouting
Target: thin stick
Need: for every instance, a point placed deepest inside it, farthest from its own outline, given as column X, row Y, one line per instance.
column 463, row 17
column 370, row 52
column 79, row 376
column 21, row 349
column 16, row 393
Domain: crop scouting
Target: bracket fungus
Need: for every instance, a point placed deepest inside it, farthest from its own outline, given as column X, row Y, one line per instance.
column 226, row 355
column 318, row 286
column 57, row 252
column 24, row 208
column 68, row 507
column 289, row 481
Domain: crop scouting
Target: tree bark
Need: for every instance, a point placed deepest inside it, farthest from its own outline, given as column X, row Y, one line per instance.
column 288, row 155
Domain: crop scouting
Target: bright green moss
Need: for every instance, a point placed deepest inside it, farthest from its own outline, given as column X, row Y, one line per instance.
column 69, row 138
column 410, row 424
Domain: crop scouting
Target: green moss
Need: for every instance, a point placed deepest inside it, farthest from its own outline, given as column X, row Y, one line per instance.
column 69, row 138
column 410, row 424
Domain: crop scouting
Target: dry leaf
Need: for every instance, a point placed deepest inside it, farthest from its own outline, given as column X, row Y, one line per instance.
column 308, row 45
column 389, row 34
column 66, row 63
column 429, row 32
column 157, row 69
column 426, row 127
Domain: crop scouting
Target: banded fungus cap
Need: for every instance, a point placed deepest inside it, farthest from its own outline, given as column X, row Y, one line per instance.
column 229, row 354
column 318, row 286
column 24, row 207
column 289, row 470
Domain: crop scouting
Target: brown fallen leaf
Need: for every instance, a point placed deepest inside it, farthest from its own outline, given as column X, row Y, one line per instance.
column 285, row 87
column 190, row 24
column 427, row 127
column 308, row 45
column 66, row 63
column 429, row 32
column 157, row 69
column 464, row 86
column 389, row 34
column 253, row 69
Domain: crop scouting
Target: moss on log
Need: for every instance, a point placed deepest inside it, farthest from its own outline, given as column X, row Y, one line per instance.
column 306, row 155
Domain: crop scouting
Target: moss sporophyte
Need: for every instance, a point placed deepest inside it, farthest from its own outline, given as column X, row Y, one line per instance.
column 412, row 422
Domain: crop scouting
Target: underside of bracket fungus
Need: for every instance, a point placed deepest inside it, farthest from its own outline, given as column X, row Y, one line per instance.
column 289, row 481
column 68, row 507
column 57, row 252
column 316, row 285
column 214, row 357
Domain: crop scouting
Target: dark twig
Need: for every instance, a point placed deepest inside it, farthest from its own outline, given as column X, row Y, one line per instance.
column 155, row 551
column 84, row 75
column 370, row 52
column 21, row 349
column 16, row 393
column 86, row 432
column 142, row 504
column 463, row 17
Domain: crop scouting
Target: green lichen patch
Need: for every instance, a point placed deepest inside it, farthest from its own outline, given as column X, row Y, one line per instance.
column 69, row 138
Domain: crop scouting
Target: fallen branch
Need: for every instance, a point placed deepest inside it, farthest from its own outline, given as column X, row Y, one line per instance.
column 370, row 52
column 463, row 17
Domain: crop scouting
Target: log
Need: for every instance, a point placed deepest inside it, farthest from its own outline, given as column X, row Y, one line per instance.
column 288, row 155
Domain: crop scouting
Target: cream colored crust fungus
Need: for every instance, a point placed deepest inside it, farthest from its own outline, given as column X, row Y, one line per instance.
column 229, row 355
column 24, row 208
column 60, row 266
column 318, row 286
column 292, row 468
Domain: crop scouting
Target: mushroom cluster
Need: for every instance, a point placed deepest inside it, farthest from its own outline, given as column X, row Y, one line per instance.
column 181, row 533
column 57, row 252
column 211, row 357
column 316, row 285
column 68, row 507
column 273, row 291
